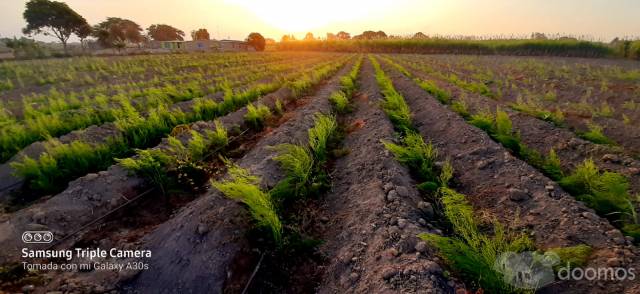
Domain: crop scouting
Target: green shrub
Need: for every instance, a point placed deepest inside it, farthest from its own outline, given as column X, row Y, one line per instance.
column 575, row 256
column 205, row 109
column 61, row 162
column 393, row 105
column 460, row 106
column 347, row 84
column 552, row 166
column 151, row 165
column 279, row 108
column 442, row 95
column 536, row 109
column 303, row 165
column 339, row 101
column 632, row 230
column 218, row 138
column 417, row 155
column 298, row 165
column 320, row 134
column 503, row 132
column 256, row 116
column 606, row 192
column 470, row 252
column 595, row 135
column 244, row 187
column 482, row 120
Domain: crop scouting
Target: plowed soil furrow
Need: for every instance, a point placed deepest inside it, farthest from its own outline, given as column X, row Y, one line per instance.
column 92, row 196
column 543, row 136
column 625, row 135
column 371, row 239
column 195, row 250
column 501, row 186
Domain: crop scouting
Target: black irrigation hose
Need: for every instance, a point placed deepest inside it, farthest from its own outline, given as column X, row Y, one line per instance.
column 3, row 189
column 101, row 217
column 253, row 274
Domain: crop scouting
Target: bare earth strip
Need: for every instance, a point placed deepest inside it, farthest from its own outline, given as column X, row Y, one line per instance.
column 371, row 238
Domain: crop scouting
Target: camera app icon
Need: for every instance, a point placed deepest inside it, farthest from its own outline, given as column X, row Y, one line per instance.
column 37, row 237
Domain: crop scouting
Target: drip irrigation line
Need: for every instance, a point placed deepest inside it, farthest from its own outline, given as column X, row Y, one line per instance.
column 253, row 274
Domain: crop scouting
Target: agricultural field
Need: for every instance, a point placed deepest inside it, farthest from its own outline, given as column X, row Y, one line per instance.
column 303, row 172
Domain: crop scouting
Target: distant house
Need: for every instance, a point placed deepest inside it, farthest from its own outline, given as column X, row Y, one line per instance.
column 168, row 45
column 201, row 45
column 233, row 45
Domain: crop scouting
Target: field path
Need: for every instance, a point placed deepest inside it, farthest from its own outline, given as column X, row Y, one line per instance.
column 371, row 239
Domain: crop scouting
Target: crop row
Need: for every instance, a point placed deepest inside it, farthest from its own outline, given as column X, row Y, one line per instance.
column 63, row 162
column 608, row 193
column 14, row 136
column 599, row 108
column 80, row 71
column 467, row 247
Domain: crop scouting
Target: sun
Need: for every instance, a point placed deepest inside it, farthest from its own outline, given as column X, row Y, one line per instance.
column 300, row 15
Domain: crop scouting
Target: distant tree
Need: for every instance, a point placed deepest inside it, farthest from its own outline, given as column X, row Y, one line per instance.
column 567, row 38
column 342, row 35
column 257, row 41
column 163, row 32
column 83, row 32
column 309, row 37
column 331, row 37
column 117, row 32
column 200, row 34
column 52, row 18
column 367, row 35
column 371, row 35
column 539, row 36
column 287, row 38
column 269, row 41
column 25, row 48
column 419, row 36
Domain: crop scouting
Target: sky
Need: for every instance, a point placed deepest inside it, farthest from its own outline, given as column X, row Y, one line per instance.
column 235, row 19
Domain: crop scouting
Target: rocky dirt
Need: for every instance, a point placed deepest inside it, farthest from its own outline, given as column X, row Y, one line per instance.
column 502, row 186
column 374, row 214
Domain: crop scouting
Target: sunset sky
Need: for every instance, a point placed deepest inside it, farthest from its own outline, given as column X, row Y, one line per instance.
column 600, row 19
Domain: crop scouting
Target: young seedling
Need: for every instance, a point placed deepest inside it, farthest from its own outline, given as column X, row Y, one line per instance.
column 244, row 187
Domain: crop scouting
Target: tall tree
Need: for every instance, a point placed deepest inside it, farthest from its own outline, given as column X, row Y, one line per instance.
column 163, row 32
column 287, row 38
column 116, row 32
column 309, row 37
column 257, row 41
column 200, row 34
column 83, row 32
column 420, row 36
column 52, row 18
column 343, row 35
column 371, row 35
